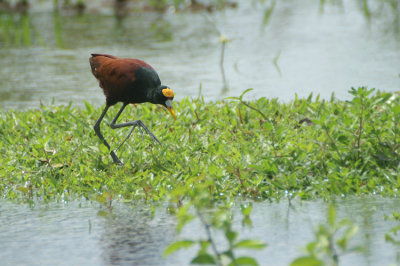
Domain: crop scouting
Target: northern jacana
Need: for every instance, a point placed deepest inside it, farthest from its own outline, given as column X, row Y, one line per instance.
column 128, row 81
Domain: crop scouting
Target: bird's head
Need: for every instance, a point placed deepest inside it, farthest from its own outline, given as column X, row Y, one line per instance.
column 166, row 97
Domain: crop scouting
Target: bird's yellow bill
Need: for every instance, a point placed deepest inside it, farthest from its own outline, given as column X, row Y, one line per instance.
column 172, row 112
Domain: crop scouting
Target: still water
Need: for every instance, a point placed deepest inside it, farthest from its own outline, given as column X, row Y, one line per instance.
column 302, row 49
column 74, row 234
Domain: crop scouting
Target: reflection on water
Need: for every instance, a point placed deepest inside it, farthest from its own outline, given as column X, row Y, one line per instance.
column 300, row 50
column 73, row 233
column 133, row 237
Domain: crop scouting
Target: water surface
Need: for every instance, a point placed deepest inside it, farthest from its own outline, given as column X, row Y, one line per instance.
column 74, row 233
column 303, row 50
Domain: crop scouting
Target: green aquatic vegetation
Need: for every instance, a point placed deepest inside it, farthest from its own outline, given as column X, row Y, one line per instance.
column 213, row 153
column 18, row 30
column 259, row 149
column 331, row 242
column 215, row 220
column 393, row 235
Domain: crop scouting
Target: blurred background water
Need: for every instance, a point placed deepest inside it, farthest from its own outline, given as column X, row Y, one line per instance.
column 279, row 48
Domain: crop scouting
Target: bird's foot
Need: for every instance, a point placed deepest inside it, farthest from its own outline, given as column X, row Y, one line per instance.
column 154, row 137
column 127, row 137
column 115, row 158
column 141, row 125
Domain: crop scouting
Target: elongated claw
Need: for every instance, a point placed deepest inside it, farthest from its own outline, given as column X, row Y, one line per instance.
column 127, row 137
column 141, row 132
column 149, row 132
column 140, row 124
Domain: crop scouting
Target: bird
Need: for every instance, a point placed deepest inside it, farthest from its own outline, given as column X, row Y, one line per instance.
column 130, row 81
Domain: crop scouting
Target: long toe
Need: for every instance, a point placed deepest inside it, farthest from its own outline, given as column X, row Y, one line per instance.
column 154, row 138
column 141, row 125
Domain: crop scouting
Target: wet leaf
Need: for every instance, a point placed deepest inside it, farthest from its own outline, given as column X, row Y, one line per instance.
column 245, row 261
column 250, row 244
column 307, row 261
column 101, row 198
column 22, row 189
column 103, row 213
column 203, row 259
column 178, row 245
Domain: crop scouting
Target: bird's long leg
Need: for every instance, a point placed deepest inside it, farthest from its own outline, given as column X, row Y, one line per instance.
column 101, row 137
column 135, row 123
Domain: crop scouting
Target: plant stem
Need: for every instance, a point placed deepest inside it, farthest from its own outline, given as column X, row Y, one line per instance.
column 360, row 129
column 208, row 231
column 255, row 109
column 335, row 256
column 334, row 144
column 221, row 64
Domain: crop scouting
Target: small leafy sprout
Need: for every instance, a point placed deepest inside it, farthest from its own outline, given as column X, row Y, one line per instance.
column 240, row 99
column 220, row 221
column 246, row 211
column 331, row 242
column 393, row 236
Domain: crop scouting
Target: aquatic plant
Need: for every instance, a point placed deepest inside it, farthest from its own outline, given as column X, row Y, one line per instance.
column 261, row 149
column 216, row 220
column 213, row 153
column 393, row 235
column 331, row 242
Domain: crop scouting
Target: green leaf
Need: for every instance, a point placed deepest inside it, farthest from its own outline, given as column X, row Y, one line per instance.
column 204, row 244
column 203, row 259
column 94, row 148
column 101, row 198
column 231, row 235
column 396, row 109
column 245, row 261
column 240, row 97
column 183, row 217
column 307, row 261
column 351, row 232
column 250, row 244
column 89, row 107
column 103, row 149
column 23, row 189
column 103, row 213
column 395, row 229
column 247, row 222
column 311, row 247
column 176, row 246
column 246, row 210
column 232, row 98
column 267, row 14
column 243, row 93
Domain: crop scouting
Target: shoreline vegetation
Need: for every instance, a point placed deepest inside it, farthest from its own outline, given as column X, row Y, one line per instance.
column 261, row 149
column 214, row 154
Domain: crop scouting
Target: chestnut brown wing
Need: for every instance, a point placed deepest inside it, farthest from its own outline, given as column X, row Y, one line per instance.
column 116, row 76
